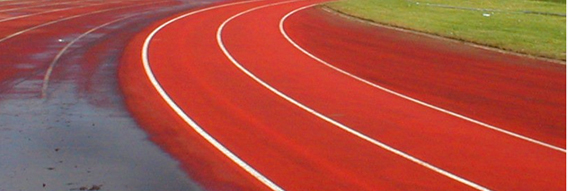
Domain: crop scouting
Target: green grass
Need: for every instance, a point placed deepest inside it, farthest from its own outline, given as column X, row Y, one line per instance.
column 524, row 26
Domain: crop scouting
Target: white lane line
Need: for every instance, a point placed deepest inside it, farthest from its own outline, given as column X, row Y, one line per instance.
column 19, row 2
column 67, row 18
column 407, row 97
column 49, row 71
column 50, row 11
column 36, row 6
column 57, row 57
column 327, row 119
column 184, row 116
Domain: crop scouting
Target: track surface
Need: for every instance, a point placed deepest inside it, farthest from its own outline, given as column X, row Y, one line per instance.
column 63, row 123
column 526, row 96
column 284, row 120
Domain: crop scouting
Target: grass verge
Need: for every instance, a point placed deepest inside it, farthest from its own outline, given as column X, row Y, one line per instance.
column 536, row 28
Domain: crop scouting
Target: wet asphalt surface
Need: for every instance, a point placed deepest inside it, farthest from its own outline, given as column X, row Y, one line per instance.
column 81, row 136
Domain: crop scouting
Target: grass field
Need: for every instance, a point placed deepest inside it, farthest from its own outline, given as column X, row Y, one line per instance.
column 531, row 27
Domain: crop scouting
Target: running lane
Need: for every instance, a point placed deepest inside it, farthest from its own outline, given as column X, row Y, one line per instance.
column 291, row 146
column 448, row 142
column 283, row 143
column 523, row 95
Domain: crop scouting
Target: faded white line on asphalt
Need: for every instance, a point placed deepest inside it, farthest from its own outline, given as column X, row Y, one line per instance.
column 64, row 19
column 50, row 11
column 49, row 71
column 184, row 116
column 36, row 6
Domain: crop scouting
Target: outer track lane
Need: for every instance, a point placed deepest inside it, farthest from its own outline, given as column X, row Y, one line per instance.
column 519, row 94
column 199, row 158
column 399, row 123
column 288, row 145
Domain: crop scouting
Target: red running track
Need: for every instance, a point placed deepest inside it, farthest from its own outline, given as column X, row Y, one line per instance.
column 301, row 125
column 526, row 96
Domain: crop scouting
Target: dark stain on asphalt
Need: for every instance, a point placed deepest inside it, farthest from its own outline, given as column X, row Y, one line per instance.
column 82, row 134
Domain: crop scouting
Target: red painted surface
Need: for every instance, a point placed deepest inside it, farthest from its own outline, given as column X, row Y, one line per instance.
column 202, row 162
column 299, row 151
column 523, row 95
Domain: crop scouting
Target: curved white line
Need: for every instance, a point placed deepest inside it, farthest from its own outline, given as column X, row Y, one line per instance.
column 184, row 116
column 69, row 18
column 6, row 1
column 19, row 2
column 404, row 96
column 49, row 71
column 36, row 6
column 327, row 119
column 50, row 11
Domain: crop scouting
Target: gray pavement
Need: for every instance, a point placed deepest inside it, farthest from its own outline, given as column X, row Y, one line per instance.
column 81, row 137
